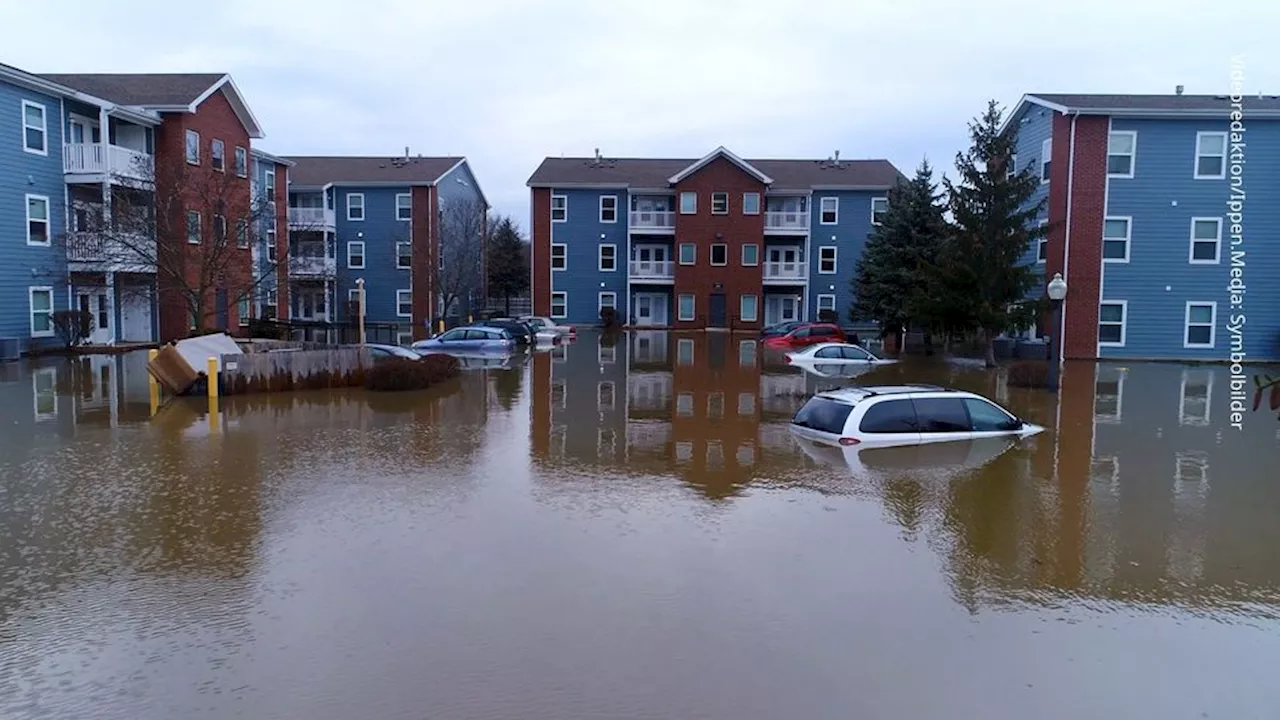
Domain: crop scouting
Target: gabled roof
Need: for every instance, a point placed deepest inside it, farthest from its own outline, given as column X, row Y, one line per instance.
column 1147, row 106
column 318, row 171
column 270, row 158
column 163, row 92
column 50, row 87
column 720, row 152
column 657, row 173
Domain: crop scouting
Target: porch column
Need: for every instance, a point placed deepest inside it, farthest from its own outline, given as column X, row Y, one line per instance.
column 329, row 315
column 111, row 308
column 104, row 134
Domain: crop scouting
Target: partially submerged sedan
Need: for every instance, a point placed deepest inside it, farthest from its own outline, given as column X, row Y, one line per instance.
column 471, row 339
column 836, row 353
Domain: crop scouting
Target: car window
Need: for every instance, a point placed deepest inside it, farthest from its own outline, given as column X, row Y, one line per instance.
column 477, row 335
column 855, row 353
column 890, row 416
column 939, row 415
column 379, row 352
column 830, row 352
column 987, row 417
column 801, row 333
column 453, row 335
column 823, row 415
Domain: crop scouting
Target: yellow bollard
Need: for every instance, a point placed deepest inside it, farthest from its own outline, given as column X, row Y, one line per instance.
column 441, row 326
column 153, row 386
column 469, row 319
column 214, row 416
column 213, row 377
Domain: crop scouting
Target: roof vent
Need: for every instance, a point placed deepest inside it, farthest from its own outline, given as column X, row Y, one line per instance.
column 835, row 159
column 1179, row 89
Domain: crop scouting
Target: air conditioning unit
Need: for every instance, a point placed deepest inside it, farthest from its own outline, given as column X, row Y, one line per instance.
column 10, row 349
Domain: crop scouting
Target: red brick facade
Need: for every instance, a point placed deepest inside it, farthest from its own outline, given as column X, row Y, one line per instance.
column 540, row 237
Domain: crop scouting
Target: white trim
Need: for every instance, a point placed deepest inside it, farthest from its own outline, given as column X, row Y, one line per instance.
column 1042, row 244
column 1124, row 322
column 1128, row 238
column 680, row 254
column 822, row 210
column 564, row 208
column 398, row 255
column 1213, row 324
column 1195, row 168
column 404, row 339
column 600, row 300
column 759, row 203
column 693, row 307
column 409, row 207
column 1203, row 420
column 711, row 254
column 600, row 405
column 824, row 296
column 269, row 182
column 238, row 106
column 31, row 310
column 213, row 156
column 615, row 208
column 236, row 155
column 351, row 207
column 363, row 260
column 600, row 257
column 1217, row 242
column 400, row 294
column 186, row 146
column 680, row 202
column 564, row 304
column 721, row 152
column 723, row 194
column 564, row 257
column 743, row 259
column 48, row 219
column 1132, row 154
column 873, row 209
column 44, row 127
column 755, row 308
column 835, row 255
column 1046, row 159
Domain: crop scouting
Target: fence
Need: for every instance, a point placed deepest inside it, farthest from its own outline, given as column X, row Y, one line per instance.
column 519, row 306
column 283, row 371
column 328, row 334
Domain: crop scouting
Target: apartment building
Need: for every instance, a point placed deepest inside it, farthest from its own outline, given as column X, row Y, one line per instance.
column 716, row 242
column 270, row 188
column 391, row 222
column 1139, row 192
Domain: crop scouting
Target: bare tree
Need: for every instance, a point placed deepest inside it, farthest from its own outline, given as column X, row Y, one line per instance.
column 464, row 229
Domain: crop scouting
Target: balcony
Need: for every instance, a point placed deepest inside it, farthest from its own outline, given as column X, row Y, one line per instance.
column 312, row 266
column 653, row 221
column 97, row 251
column 310, row 218
column 785, row 272
column 98, row 159
column 786, row 221
column 653, row 270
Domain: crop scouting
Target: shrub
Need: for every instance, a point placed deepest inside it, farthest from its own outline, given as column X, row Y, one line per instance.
column 72, row 326
column 609, row 318
column 401, row 374
column 1029, row 374
column 828, row 316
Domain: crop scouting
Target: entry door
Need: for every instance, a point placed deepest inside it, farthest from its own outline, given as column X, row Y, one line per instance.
column 84, row 131
column 651, row 259
column 94, row 303
column 784, row 262
column 644, row 310
column 717, row 314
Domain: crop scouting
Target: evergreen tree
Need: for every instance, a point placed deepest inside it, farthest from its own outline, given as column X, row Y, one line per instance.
column 508, row 262
column 888, row 285
column 978, row 272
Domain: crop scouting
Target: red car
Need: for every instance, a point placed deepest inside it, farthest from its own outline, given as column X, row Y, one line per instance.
column 807, row 334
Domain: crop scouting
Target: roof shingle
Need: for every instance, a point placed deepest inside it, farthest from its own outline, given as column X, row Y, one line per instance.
column 653, row 173
column 1157, row 102
column 145, row 90
column 314, row 171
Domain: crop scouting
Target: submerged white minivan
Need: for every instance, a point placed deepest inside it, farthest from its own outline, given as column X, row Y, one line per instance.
column 904, row 415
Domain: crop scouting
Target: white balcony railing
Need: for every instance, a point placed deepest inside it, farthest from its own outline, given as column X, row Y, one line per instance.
column 653, row 269
column 786, row 220
column 784, row 271
column 310, row 217
column 313, row 266
column 92, row 158
column 132, row 251
column 653, row 220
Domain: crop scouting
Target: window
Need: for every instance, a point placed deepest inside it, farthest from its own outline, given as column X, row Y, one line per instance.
column 747, row 353
column 823, row 415
column 1013, row 166
column 193, row 147
column 404, row 255
column 193, row 227
column 715, row 409
column 559, row 256
column 687, row 308
column 40, row 301
column 608, row 208
column 604, row 395
column 404, row 206
column 607, row 354
column 750, row 203
column 688, row 203
column 830, row 210
column 1042, row 244
column 1195, row 396
column 242, row 309
column 749, row 308
column 1211, row 155
column 353, row 298
column 559, row 304
column 355, row 254
column 608, row 261
column 986, row 417
column 719, row 254
column 890, row 416
column 242, row 162
column 607, row 300
column 750, row 255
column 404, row 339
column 37, row 220
column 559, row 208
column 879, row 206
column 719, row 203
column 942, row 415
column 35, row 129
column 1046, row 160
column 827, row 259
column 1115, row 239
column 219, row 229
column 242, row 234
column 271, row 245
column 271, row 298
column 688, row 253
column 1201, row 319
column 269, row 182
column 404, row 303
column 1121, row 147
column 684, row 350
column 1206, row 237
column 355, row 206
column 684, row 408
column 1111, row 323
column 826, row 302
column 218, row 155
column 746, row 403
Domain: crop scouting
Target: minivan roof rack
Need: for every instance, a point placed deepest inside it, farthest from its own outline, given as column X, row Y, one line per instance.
column 873, row 390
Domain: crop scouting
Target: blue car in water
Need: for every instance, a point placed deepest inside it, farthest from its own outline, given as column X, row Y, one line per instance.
column 471, row 339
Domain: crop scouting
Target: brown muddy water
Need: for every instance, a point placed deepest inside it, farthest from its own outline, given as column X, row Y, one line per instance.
column 632, row 532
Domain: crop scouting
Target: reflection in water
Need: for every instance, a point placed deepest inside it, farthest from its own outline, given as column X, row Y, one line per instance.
column 631, row 530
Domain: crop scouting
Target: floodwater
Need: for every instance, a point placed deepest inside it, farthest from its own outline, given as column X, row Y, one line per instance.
column 630, row 531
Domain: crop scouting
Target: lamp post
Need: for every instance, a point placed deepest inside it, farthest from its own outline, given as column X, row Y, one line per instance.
column 360, row 306
column 1057, row 291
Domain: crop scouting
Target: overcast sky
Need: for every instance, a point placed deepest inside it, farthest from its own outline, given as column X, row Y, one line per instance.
column 508, row 83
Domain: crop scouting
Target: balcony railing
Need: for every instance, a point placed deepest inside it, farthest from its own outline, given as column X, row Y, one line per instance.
column 132, row 251
column 94, row 158
column 653, row 220
column 786, row 220
column 784, row 270
column 653, row 269
column 310, row 217
column 313, row 266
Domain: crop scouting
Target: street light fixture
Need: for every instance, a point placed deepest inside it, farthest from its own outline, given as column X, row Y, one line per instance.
column 1057, row 291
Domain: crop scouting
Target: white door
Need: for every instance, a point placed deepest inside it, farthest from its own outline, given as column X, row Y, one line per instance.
column 94, row 303
column 311, row 305
column 650, row 309
column 650, row 260
column 135, row 315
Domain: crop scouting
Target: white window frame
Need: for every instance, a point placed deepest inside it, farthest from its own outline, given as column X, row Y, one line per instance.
column 684, row 358
column 1191, row 248
column 199, row 236
column 564, row 304
column 31, row 310
column 1132, row 154
column 719, row 195
column 746, row 206
column 1042, row 244
column 614, row 198
column 875, row 200
column 1012, row 170
column 822, row 210
column 269, row 182
column 1213, row 324
column 272, row 251
column 600, row 257
column 680, row 254
column 825, row 298
column 744, row 255
column 186, row 147
column 600, row 300
column 564, row 256
column 1195, row 169
column 404, row 201
column 242, row 162
column 755, row 308
column 693, row 307
column 1046, row 160
column 404, row 339
column 244, row 309
column 218, row 165
column 564, row 208
column 48, row 219
column 711, row 254
column 1124, row 322
column 401, row 294
column 693, row 208
column 351, row 206
column 1128, row 237
column 613, row 397
column 835, row 255
column 398, row 255
column 351, row 244
column 44, row 127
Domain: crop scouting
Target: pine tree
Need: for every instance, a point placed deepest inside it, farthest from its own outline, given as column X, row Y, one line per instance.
column 979, row 270
column 889, row 285
column 508, row 266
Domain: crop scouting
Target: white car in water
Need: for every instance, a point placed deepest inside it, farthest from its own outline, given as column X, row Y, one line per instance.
column 545, row 325
column 835, row 353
